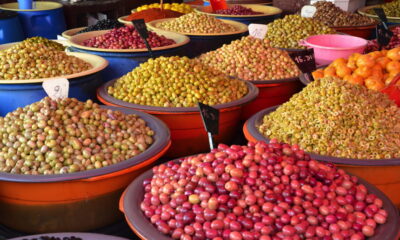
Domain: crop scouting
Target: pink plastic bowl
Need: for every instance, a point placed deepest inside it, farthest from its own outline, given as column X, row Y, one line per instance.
column 329, row 47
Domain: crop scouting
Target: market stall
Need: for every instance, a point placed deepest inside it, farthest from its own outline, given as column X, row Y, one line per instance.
column 200, row 120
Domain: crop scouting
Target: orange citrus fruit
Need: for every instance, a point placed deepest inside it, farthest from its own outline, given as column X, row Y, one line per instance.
column 330, row 72
column 365, row 61
column 343, row 70
column 393, row 67
column 356, row 79
column 317, row 74
column 394, row 54
column 383, row 61
column 363, row 71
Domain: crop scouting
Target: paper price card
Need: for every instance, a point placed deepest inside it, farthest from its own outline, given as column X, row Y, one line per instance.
column 308, row 11
column 56, row 88
column 258, row 30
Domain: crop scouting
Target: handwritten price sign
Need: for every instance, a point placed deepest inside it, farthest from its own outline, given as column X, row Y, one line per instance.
column 56, row 88
column 304, row 60
column 258, row 30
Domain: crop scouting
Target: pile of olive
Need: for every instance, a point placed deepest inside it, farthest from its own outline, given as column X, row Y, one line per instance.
column 288, row 31
column 176, row 82
column 65, row 135
column 36, row 58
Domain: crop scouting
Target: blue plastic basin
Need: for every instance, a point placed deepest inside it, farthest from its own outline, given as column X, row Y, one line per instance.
column 13, row 96
column 10, row 27
column 46, row 19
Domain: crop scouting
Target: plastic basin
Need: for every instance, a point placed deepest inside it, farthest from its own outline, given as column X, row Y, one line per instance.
column 271, row 93
column 201, row 42
column 45, row 20
column 328, row 47
column 123, row 61
column 133, row 195
column 10, row 27
column 19, row 93
column 384, row 173
column 268, row 15
column 187, row 130
column 78, row 201
column 366, row 32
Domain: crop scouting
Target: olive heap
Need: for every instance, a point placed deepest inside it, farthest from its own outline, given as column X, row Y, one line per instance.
column 331, row 15
column 288, row 31
column 38, row 58
column 336, row 118
column 104, row 24
column 196, row 23
column 66, row 135
column 237, row 10
column 259, row 192
column 392, row 9
column 176, row 82
column 251, row 59
column 48, row 43
column 127, row 38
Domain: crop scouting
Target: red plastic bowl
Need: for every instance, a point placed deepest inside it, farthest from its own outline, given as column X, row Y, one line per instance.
column 132, row 197
column 78, row 201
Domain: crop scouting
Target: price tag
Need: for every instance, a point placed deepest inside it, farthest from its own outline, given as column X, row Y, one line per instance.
column 140, row 26
column 308, row 11
column 258, row 30
column 305, row 60
column 210, row 118
column 381, row 14
column 383, row 34
column 56, row 88
column 59, row 37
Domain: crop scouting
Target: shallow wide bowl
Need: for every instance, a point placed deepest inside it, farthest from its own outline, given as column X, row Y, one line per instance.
column 133, row 196
column 124, row 60
column 78, row 39
column 202, row 43
column 19, row 93
column 78, row 201
column 364, row 11
column 268, row 14
column 187, row 131
column 383, row 173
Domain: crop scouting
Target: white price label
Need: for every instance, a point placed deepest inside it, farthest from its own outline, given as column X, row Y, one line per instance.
column 56, row 88
column 308, row 11
column 59, row 37
column 258, row 30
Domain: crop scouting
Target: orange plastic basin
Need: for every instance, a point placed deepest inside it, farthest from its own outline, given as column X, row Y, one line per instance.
column 365, row 32
column 271, row 93
column 78, row 201
column 383, row 173
column 188, row 135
